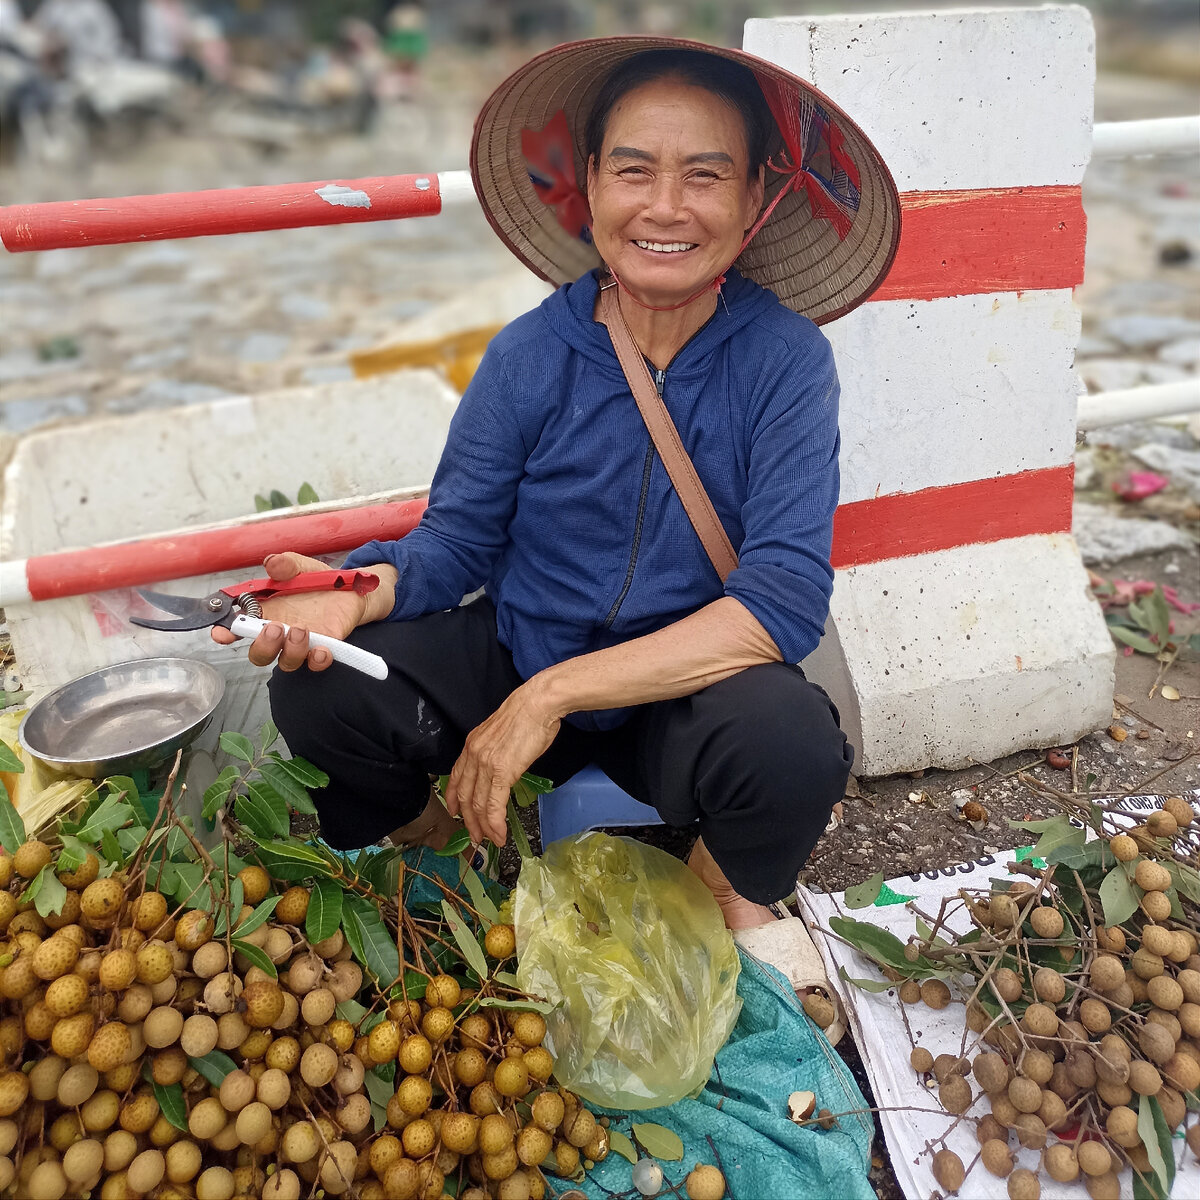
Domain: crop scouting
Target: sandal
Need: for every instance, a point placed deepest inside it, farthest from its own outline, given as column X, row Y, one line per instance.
column 786, row 945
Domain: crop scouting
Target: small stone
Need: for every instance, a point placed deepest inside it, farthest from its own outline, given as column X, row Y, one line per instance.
column 1182, row 467
column 1143, row 735
column 1111, row 374
column 1183, row 353
column 1103, row 537
column 1086, row 473
column 1144, row 331
column 1117, row 733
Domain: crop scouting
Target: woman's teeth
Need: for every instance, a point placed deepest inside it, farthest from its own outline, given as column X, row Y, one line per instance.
column 666, row 247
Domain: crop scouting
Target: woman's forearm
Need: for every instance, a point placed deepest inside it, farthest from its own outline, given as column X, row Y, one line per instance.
column 712, row 644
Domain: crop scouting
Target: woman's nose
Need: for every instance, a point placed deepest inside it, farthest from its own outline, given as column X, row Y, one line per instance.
column 666, row 199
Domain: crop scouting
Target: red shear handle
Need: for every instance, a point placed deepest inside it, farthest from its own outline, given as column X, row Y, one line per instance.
column 361, row 582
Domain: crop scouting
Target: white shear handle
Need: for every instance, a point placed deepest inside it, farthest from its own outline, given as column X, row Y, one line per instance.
column 343, row 652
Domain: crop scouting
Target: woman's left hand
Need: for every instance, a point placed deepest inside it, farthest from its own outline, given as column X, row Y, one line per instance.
column 496, row 754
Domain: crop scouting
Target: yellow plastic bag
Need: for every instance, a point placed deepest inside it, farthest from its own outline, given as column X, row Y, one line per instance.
column 632, row 947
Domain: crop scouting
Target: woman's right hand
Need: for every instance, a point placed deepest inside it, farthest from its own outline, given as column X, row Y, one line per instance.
column 335, row 614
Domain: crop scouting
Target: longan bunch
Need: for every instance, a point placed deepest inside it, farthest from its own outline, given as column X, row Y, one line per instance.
column 1092, row 1036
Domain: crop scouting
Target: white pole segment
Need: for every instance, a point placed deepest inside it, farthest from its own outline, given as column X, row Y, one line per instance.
column 1139, row 404
column 1163, row 135
column 14, row 588
column 455, row 187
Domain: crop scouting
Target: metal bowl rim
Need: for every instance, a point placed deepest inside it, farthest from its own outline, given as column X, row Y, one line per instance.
column 188, row 663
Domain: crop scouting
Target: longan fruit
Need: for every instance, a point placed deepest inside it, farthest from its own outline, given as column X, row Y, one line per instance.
column 415, row 1053
column 118, row 970
column 72, row 1036
column 500, row 942
column 579, row 1127
column 539, row 1062
column 1123, row 847
column 1046, row 922
column 1006, row 983
column 548, row 1111
column 418, row 1138
column 442, row 991
column 512, row 1078
column 135, row 1003
column 154, row 963
column 1094, row 1015
column 253, row 1122
column 85, row 873
column 909, row 991
column 318, row 1064
column 1040, row 1019
column 1150, row 877
column 485, row 1100
column 1023, row 1184
column 954, row 1095
column 101, row 902
column 162, row 1027
column 1164, row 993
column 139, row 1111
column 437, row 1024
column 948, row 1170
column 83, row 1161
column 1094, row 1158
column 207, row 1119
column 935, row 994
column 264, row 1002
column 1059, row 1161
column 414, row 1095
column 30, row 857
column 1156, row 1042
column 47, row 1181
column 256, row 883
column 199, row 1035
column 283, row 1054
column 997, row 1157
column 216, row 1183
column 1049, row 985
column 1156, row 905
column 318, row 1006
column 1036, row 1065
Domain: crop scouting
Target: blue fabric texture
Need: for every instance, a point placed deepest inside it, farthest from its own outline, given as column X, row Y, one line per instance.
column 547, row 491
column 774, row 1050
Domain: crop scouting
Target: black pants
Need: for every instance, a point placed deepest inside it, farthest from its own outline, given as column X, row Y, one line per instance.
column 758, row 760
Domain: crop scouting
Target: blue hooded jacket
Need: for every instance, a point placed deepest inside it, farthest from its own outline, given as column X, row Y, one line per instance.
column 550, row 493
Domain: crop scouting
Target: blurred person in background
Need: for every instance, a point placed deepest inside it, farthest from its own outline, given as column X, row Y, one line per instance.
column 407, row 43
column 168, row 37
column 84, row 32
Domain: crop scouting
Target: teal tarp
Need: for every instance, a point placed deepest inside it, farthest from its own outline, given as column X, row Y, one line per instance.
column 774, row 1050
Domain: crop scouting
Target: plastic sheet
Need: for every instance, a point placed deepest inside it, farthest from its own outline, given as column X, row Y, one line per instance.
column 631, row 947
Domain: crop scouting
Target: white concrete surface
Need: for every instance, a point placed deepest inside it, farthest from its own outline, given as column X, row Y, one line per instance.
column 959, row 98
column 965, row 654
column 977, row 651
column 936, row 392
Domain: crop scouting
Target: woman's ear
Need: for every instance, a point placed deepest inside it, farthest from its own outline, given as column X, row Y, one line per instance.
column 591, row 176
column 758, row 187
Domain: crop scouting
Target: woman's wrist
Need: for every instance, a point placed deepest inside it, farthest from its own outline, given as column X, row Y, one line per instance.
column 382, row 600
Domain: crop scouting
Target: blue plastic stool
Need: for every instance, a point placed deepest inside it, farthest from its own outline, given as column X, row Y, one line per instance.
column 590, row 800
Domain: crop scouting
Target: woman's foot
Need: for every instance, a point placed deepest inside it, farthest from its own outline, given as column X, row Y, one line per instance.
column 433, row 828
column 739, row 913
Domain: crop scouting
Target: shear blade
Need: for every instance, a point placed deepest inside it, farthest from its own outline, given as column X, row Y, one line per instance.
column 191, row 613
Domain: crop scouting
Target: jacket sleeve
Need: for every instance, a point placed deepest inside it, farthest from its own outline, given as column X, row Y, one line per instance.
column 783, row 575
column 471, row 502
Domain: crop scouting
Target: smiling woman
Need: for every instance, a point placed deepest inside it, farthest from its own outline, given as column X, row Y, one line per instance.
column 647, row 595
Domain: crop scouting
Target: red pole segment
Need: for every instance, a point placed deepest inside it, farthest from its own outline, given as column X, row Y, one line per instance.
column 104, row 222
column 210, row 551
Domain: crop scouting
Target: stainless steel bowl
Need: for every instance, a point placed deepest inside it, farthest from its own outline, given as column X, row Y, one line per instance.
column 122, row 718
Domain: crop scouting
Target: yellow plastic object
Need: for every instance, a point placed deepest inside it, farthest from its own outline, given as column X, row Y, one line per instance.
column 39, row 793
column 633, row 949
column 456, row 355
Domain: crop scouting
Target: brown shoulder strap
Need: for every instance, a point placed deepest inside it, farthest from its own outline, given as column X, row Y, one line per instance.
column 665, row 436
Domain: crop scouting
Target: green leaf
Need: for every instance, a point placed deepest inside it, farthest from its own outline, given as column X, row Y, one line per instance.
column 620, row 1144
column 268, row 735
column 72, row 855
column 350, row 1010
column 1156, row 1137
column 1078, row 858
column 262, row 811
column 1039, row 826
column 1117, row 896
column 1064, row 835
column 465, row 940
column 324, row 910
column 111, row 814
column 878, row 944
column 214, row 1066
column 121, row 786
column 12, row 828
column 481, row 901
column 302, row 771
column 456, row 845
column 257, row 917
column 227, row 910
column 294, row 794
column 376, row 948
column 296, row 852
column 414, row 986
column 659, row 1142
column 261, row 503
column 1187, row 880
column 866, row 985
column 10, row 764
column 529, row 787
column 863, row 895
column 52, row 894
column 1137, row 640
column 257, row 957
column 1152, row 613
column 278, row 499
column 517, row 830
column 111, row 847
column 217, row 792
column 307, row 494
column 237, row 745
column 380, row 1091
column 170, row 1102
column 537, row 1006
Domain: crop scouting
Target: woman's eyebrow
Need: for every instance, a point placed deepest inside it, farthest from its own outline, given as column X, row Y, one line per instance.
column 706, row 156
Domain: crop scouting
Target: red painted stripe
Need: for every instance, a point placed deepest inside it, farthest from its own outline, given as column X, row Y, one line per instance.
column 895, row 526
column 962, row 514
column 963, row 243
column 210, row 551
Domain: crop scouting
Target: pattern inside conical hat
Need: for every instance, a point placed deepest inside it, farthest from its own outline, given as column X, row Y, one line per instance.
column 815, row 268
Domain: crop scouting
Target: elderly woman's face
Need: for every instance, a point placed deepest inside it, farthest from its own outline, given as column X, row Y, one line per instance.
column 669, row 195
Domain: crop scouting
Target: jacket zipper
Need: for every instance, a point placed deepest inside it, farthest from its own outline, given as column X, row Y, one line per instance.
column 660, row 375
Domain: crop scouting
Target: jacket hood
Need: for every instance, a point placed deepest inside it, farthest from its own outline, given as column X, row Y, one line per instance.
column 569, row 313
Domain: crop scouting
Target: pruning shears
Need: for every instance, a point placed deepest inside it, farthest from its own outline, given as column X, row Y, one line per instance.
column 239, row 609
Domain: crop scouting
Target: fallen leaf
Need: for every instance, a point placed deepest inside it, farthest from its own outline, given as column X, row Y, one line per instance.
column 1169, row 692
column 851, row 789
column 659, row 1142
column 1137, row 485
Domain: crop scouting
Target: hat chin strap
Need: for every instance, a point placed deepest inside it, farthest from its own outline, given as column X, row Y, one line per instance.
column 715, row 285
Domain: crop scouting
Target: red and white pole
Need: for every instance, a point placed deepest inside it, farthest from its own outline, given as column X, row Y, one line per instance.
column 105, row 222
column 201, row 551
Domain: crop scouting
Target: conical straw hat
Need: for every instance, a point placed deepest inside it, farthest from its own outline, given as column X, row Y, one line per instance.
column 821, row 264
